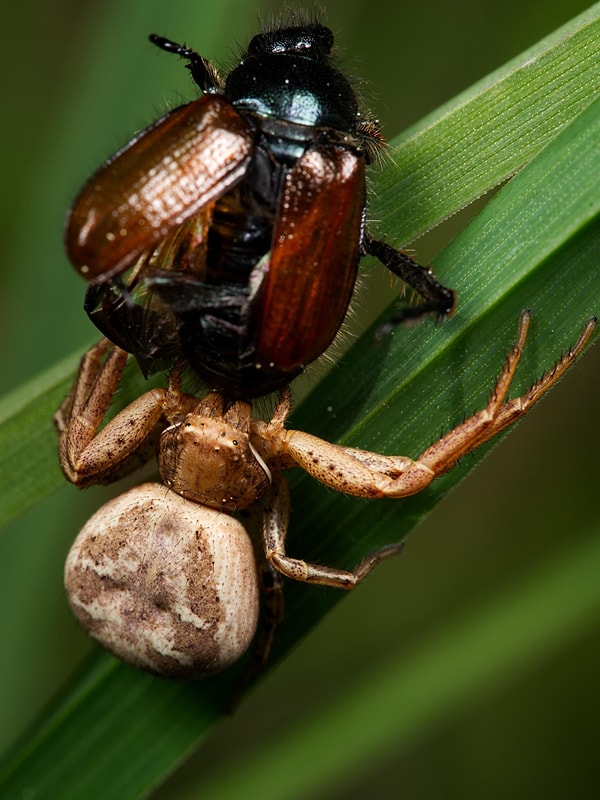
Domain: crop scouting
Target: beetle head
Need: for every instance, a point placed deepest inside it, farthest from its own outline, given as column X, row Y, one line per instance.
column 288, row 74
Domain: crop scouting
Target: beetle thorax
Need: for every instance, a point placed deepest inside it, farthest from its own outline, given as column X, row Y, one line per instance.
column 294, row 89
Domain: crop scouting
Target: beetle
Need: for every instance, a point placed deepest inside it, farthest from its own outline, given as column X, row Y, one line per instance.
column 230, row 231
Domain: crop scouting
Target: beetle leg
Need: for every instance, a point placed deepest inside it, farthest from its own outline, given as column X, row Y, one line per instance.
column 275, row 529
column 203, row 72
column 87, row 456
column 436, row 298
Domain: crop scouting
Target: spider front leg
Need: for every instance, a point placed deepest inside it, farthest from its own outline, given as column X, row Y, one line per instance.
column 86, row 456
column 499, row 412
column 365, row 474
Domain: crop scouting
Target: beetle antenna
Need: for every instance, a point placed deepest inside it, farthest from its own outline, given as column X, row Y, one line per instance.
column 204, row 73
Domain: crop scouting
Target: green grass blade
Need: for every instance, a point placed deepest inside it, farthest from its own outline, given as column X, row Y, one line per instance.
column 116, row 732
column 380, row 397
column 490, row 131
column 399, row 700
column 26, row 433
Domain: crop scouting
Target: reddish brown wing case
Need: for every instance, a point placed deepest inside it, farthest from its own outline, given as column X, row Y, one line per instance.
column 316, row 249
column 186, row 160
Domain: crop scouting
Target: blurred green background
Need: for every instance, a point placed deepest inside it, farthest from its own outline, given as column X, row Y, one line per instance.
column 537, row 733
